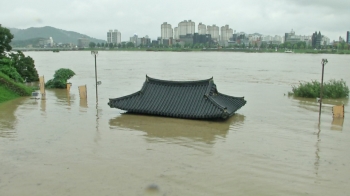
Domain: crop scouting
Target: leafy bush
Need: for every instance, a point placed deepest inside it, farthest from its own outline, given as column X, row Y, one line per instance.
column 331, row 89
column 60, row 78
column 8, row 69
column 25, row 66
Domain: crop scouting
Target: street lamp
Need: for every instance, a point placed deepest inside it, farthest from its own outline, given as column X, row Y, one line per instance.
column 323, row 62
column 95, row 53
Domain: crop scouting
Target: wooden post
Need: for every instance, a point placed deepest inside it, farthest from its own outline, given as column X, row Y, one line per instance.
column 338, row 111
column 68, row 86
column 42, row 86
column 82, row 92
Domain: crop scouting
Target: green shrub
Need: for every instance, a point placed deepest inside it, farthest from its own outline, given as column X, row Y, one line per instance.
column 17, row 88
column 6, row 67
column 60, row 78
column 331, row 89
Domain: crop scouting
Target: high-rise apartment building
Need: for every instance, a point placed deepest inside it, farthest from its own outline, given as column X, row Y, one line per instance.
column 316, row 39
column 214, row 32
column 176, row 33
column 166, row 31
column 202, row 29
column 226, row 33
column 114, row 37
column 186, row 27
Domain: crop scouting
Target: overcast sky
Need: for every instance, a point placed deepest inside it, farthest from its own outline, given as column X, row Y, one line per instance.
column 95, row 17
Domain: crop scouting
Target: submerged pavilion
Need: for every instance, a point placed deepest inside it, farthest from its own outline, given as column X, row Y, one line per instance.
column 180, row 99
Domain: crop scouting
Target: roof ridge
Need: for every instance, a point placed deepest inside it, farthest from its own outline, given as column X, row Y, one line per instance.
column 149, row 79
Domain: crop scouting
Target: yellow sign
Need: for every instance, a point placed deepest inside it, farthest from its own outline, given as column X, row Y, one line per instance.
column 338, row 111
column 42, row 85
column 82, row 92
column 68, row 86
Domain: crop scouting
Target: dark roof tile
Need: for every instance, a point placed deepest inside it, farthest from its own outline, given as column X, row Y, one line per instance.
column 182, row 99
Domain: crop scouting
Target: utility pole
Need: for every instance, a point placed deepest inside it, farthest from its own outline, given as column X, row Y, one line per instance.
column 323, row 62
column 95, row 53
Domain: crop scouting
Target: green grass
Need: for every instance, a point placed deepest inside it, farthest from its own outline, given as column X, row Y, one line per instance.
column 6, row 95
column 332, row 89
column 11, row 90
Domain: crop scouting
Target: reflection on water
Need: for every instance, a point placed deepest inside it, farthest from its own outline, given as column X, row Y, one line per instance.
column 63, row 96
column 83, row 103
column 337, row 124
column 8, row 118
column 43, row 105
column 162, row 128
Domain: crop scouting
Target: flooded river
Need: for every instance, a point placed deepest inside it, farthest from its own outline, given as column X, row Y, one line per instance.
column 273, row 145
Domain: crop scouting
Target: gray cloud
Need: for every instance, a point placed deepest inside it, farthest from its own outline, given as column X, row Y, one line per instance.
column 95, row 18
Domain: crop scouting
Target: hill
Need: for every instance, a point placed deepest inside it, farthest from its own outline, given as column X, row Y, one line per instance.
column 58, row 35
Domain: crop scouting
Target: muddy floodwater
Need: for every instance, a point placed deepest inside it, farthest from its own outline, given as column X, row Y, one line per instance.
column 64, row 145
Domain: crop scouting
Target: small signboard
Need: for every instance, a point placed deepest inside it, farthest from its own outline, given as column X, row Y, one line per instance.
column 99, row 82
column 68, row 86
column 338, row 111
column 42, row 85
column 82, row 92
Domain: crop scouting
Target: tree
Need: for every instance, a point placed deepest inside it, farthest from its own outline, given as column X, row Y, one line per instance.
column 92, row 44
column 60, row 78
column 98, row 45
column 110, row 45
column 6, row 67
column 130, row 45
column 25, row 66
column 102, row 45
column 5, row 39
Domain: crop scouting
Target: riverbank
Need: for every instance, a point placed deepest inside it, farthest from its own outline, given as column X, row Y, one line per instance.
column 11, row 90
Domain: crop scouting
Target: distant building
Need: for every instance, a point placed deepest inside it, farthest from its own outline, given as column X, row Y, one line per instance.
column 202, row 29
column 201, row 39
column 348, row 37
column 176, row 33
column 114, row 37
column 135, row 40
column 271, row 39
column 316, row 39
column 50, row 41
column 146, row 41
column 46, row 42
column 293, row 39
column 214, row 32
column 166, row 31
column 186, row 27
column 188, row 39
column 226, row 33
column 83, row 42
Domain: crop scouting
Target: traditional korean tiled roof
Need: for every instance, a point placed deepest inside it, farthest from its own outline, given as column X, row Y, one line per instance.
column 181, row 99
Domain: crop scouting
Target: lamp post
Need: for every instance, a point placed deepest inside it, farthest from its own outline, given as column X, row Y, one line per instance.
column 323, row 62
column 95, row 53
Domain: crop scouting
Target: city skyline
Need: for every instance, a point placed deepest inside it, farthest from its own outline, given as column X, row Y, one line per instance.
column 95, row 18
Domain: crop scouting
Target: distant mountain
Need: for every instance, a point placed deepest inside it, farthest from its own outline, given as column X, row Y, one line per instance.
column 58, row 35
